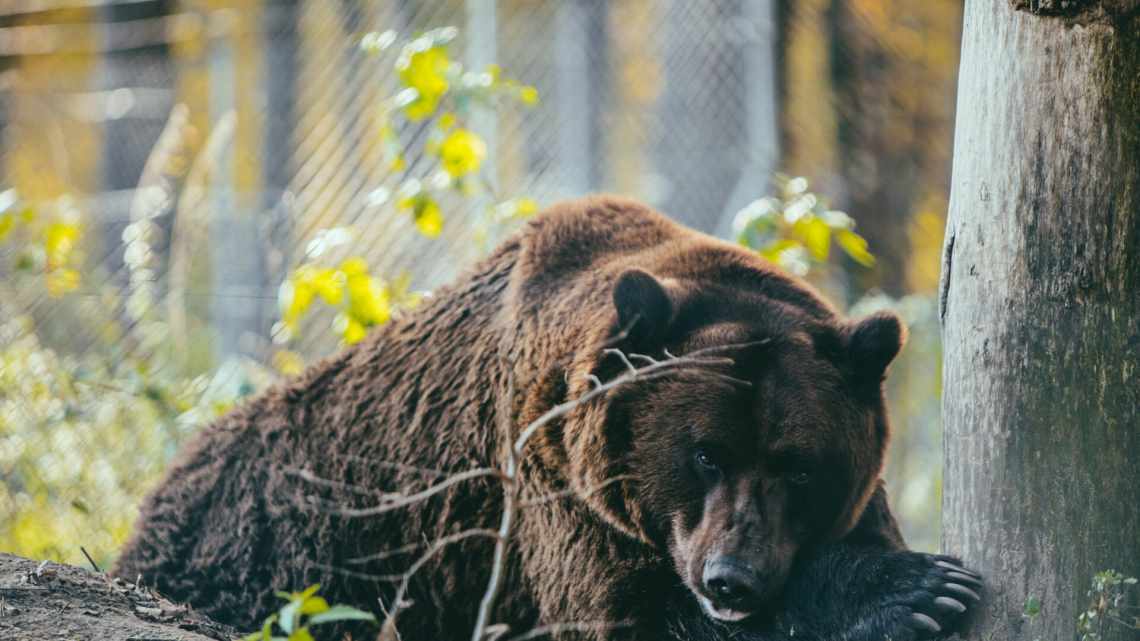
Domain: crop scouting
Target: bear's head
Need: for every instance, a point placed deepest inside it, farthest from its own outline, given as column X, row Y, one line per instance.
column 734, row 468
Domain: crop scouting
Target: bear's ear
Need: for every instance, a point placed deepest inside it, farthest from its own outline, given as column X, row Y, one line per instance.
column 643, row 306
column 873, row 342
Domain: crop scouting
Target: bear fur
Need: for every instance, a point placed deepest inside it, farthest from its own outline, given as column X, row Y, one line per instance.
column 276, row 494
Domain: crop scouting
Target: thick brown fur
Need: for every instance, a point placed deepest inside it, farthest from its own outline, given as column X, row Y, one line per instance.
column 243, row 511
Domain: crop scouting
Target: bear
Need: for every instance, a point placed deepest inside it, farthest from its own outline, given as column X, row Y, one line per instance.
column 738, row 497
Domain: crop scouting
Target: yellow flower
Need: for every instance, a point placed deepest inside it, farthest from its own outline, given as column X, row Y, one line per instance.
column 462, row 152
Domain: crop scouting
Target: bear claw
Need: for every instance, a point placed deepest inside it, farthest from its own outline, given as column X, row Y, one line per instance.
column 925, row 623
column 963, row 591
column 966, row 579
column 948, row 604
column 946, row 564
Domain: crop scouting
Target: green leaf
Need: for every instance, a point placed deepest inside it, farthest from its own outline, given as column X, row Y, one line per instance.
column 341, row 613
column 1032, row 606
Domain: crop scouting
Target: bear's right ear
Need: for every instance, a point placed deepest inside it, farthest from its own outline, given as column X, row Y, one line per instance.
column 873, row 342
column 644, row 308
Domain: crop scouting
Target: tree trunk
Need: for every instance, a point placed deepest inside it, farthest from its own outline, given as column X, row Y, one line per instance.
column 1041, row 310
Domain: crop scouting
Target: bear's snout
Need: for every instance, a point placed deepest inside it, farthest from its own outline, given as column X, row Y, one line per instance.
column 731, row 584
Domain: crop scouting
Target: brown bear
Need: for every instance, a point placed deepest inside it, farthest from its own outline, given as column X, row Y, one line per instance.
column 737, row 498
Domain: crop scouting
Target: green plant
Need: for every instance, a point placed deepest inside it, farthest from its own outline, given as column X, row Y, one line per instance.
column 439, row 96
column 302, row 611
column 796, row 229
column 1108, row 604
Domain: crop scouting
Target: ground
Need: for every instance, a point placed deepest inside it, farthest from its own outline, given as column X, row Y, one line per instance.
column 43, row 600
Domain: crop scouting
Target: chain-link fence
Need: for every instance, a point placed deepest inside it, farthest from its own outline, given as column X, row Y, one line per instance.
column 201, row 145
column 198, row 147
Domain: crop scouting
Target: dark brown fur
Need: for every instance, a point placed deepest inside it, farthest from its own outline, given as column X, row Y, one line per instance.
column 450, row 384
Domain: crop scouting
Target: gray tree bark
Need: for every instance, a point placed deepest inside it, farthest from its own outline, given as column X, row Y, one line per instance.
column 1041, row 310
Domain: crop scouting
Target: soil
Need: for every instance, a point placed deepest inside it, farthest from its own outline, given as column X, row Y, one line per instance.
column 41, row 600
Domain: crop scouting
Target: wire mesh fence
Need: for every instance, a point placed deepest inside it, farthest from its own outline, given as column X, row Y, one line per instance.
column 202, row 146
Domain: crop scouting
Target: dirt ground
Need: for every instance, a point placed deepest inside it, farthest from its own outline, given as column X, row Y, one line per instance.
column 42, row 600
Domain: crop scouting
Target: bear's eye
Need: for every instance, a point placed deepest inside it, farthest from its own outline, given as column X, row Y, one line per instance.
column 705, row 461
column 799, row 477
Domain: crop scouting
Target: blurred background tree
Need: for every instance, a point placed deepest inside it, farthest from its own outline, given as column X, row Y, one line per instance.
column 200, row 196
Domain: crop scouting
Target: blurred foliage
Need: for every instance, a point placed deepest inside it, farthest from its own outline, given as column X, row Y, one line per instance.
column 796, row 229
column 48, row 244
column 302, row 611
column 1109, row 606
column 80, row 439
column 437, row 90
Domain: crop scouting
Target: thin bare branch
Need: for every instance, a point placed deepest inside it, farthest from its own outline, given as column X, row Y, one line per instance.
column 405, row 500
column 313, row 479
column 385, row 554
column 558, row 411
column 649, row 360
column 555, row 496
column 624, row 359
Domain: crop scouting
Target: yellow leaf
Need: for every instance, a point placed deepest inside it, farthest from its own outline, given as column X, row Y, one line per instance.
column 425, row 71
column 816, row 236
column 59, row 240
column 325, row 282
column 772, row 251
column 428, row 217
column 62, row 280
column 462, row 152
column 354, row 266
column 398, row 163
column 7, row 223
column 528, row 95
column 855, row 246
column 351, row 330
column 301, row 634
column 368, row 300
column 420, row 108
column 294, row 299
column 446, row 121
column 288, row 362
column 526, row 207
column 314, row 605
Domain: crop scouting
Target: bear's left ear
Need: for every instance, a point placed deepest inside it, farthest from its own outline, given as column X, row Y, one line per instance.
column 873, row 342
column 643, row 305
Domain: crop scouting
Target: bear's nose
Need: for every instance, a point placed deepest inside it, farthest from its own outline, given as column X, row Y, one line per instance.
column 730, row 583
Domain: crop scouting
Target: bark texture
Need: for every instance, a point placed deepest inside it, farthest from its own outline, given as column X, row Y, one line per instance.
column 1041, row 313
